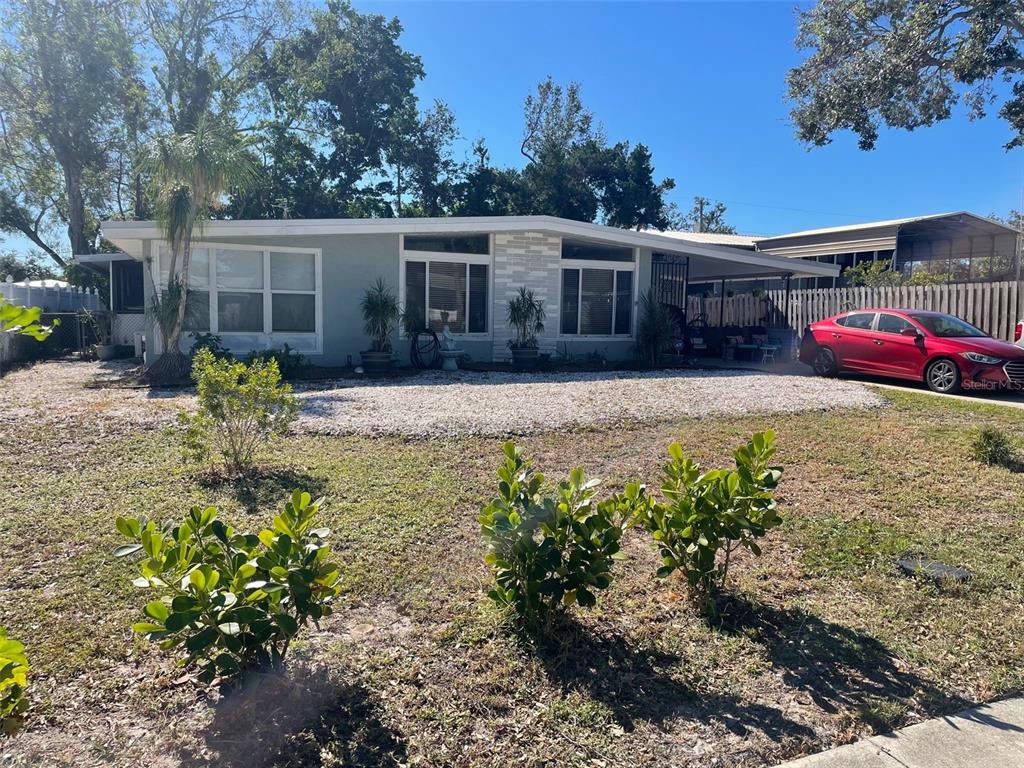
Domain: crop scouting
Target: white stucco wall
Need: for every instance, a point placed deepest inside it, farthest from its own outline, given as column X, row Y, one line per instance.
column 528, row 259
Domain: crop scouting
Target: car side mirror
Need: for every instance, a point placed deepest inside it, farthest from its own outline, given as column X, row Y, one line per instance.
column 911, row 332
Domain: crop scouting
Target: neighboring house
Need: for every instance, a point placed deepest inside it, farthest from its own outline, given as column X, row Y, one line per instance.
column 261, row 284
column 958, row 247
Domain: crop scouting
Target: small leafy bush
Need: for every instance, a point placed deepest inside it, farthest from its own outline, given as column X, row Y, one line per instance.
column 706, row 516
column 288, row 360
column 233, row 601
column 241, row 407
column 994, row 448
column 212, row 342
column 13, row 678
column 547, row 552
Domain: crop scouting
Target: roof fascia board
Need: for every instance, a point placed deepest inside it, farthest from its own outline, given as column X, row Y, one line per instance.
column 118, row 231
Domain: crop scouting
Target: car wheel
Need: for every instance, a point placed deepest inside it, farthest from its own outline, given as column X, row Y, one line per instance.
column 943, row 376
column 825, row 362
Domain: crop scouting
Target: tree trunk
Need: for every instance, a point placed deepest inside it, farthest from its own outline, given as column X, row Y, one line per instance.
column 76, row 210
column 173, row 365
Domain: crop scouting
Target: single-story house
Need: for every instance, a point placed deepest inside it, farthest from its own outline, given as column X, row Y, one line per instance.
column 261, row 284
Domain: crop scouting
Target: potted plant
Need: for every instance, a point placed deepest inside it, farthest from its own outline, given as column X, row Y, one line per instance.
column 526, row 316
column 103, row 325
column 380, row 315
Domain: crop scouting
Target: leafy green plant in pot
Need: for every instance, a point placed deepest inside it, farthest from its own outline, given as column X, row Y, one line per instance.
column 526, row 316
column 103, row 325
column 381, row 313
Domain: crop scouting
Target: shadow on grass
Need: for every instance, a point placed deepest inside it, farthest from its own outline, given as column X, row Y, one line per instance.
column 636, row 684
column 838, row 667
column 308, row 718
column 265, row 486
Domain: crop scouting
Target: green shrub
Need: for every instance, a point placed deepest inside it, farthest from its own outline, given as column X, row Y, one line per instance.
column 288, row 360
column 233, row 601
column 241, row 407
column 992, row 447
column 212, row 342
column 656, row 329
column 547, row 552
column 13, row 678
column 706, row 516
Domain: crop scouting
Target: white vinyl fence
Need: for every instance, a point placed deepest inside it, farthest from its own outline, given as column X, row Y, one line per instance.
column 63, row 302
column 51, row 298
column 990, row 306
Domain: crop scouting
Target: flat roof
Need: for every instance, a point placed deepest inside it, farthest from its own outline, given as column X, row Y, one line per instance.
column 713, row 238
column 879, row 235
column 893, row 223
column 127, row 235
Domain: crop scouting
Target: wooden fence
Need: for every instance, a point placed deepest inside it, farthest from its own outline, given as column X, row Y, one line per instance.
column 990, row 306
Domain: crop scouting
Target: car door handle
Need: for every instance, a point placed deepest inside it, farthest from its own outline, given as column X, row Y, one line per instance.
column 877, row 341
column 837, row 335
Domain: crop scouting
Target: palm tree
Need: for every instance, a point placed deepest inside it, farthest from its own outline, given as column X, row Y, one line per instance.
column 191, row 172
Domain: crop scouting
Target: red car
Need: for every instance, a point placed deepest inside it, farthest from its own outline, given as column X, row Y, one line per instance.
column 947, row 353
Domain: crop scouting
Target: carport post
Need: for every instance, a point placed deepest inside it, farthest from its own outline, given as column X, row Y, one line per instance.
column 721, row 307
column 785, row 305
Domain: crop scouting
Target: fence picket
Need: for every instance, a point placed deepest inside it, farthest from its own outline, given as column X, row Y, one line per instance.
column 990, row 306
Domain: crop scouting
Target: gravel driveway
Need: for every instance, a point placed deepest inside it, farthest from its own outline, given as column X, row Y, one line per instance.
column 498, row 404
column 436, row 404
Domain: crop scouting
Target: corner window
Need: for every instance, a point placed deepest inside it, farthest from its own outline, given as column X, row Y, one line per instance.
column 452, row 293
column 596, row 302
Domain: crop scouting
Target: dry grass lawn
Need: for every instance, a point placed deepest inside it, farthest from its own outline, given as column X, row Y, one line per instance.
column 823, row 640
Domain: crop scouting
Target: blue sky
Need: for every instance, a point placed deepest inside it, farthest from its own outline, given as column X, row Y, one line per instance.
column 703, row 85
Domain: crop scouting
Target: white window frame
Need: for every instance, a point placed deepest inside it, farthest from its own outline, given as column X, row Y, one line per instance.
column 465, row 259
column 273, row 339
column 613, row 266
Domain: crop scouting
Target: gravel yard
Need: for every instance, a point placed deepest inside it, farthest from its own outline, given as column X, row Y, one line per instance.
column 436, row 404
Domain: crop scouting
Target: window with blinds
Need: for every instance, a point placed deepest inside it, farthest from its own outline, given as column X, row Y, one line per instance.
column 447, row 296
column 596, row 302
column 597, row 287
column 452, row 293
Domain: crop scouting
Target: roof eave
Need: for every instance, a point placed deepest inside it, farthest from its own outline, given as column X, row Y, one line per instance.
column 119, row 232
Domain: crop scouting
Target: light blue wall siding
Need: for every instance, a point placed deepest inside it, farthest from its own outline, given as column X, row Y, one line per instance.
column 351, row 263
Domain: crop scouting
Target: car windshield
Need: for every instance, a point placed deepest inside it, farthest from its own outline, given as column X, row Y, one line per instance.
column 947, row 326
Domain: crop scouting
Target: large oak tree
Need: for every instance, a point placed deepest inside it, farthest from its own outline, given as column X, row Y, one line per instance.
column 906, row 64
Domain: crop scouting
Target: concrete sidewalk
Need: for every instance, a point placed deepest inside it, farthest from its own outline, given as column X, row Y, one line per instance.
column 989, row 736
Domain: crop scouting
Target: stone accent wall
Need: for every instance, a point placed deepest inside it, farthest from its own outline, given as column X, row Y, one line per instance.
column 528, row 259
